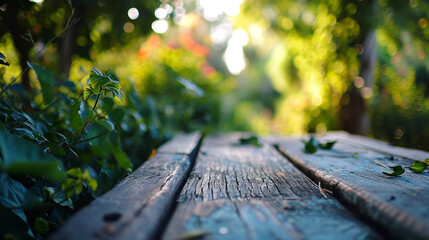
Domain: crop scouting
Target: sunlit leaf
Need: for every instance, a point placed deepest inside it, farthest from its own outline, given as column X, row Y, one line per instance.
column 396, row 171
column 426, row 161
column 96, row 72
column 89, row 92
column 68, row 186
column 74, row 172
column 252, row 140
column 92, row 183
column 47, row 81
column 3, row 60
column 418, row 167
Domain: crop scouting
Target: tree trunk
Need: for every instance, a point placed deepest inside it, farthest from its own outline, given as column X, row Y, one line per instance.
column 354, row 114
column 68, row 43
column 23, row 47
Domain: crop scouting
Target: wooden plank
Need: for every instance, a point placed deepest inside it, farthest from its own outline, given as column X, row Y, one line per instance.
column 139, row 206
column 266, row 219
column 183, row 143
column 398, row 205
column 240, row 191
column 377, row 145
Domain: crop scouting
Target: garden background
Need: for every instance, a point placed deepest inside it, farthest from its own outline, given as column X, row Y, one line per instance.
column 90, row 88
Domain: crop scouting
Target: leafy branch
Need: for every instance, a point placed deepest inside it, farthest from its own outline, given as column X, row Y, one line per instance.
column 98, row 84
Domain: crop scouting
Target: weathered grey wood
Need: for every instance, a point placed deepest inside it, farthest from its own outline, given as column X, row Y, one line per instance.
column 398, row 205
column 240, row 191
column 266, row 219
column 183, row 143
column 377, row 145
column 139, row 206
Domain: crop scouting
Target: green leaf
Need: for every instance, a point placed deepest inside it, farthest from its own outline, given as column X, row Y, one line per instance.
column 75, row 172
column 426, row 161
column 120, row 156
column 311, row 145
column 418, row 167
column 75, row 119
column 68, row 186
column 92, row 183
column 98, row 81
column 47, row 81
column 252, row 140
column 106, row 124
column 14, row 197
column 96, row 72
column 89, row 92
column 396, row 171
column 41, row 225
column 3, row 60
column 328, row 145
column 22, row 157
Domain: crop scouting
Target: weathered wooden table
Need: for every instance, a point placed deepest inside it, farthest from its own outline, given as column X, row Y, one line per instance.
column 217, row 188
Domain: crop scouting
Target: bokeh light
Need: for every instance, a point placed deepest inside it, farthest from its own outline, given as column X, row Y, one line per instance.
column 160, row 26
column 133, row 13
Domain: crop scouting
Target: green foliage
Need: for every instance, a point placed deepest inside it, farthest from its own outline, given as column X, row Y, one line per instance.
column 396, row 171
column 3, row 60
column 58, row 155
column 418, row 167
column 47, row 81
column 103, row 84
column 252, row 140
column 21, row 157
column 76, row 183
column 313, row 144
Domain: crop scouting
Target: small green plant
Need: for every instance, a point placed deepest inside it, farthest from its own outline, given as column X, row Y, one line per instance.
column 312, row 145
column 252, row 140
column 53, row 158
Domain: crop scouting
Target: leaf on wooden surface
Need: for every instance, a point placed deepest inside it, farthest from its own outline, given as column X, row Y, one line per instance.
column 311, row 145
column 418, row 167
column 252, row 140
column 396, row 171
column 197, row 234
column 328, row 145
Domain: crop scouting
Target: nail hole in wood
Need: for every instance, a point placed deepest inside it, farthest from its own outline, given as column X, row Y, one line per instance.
column 112, row 217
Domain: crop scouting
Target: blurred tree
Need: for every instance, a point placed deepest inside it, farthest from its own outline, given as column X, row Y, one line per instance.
column 326, row 64
column 74, row 26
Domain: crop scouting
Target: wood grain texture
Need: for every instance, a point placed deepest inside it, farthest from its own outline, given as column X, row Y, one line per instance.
column 139, row 206
column 377, row 146
column 240, row 191
column 396, row 204
column 266, row 219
